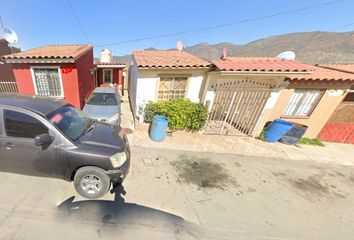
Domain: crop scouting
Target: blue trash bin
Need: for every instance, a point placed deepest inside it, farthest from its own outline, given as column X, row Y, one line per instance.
column 158, row 128
column 277, row 129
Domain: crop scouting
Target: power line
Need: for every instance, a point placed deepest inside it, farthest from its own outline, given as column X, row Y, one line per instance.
column 223, row 25
column 77, row 20
column 341, row 26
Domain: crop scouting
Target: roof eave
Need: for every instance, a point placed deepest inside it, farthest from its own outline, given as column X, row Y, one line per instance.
column 336, row 69
column 320, row 81
column 110, row 66
column 174, row 68
column 86, row 49
column 39, row 60
column 275, row 73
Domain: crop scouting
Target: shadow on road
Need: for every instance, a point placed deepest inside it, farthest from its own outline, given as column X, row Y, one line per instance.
column 117, row 212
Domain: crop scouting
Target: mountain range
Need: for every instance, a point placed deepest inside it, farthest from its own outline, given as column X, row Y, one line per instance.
column 310, row 47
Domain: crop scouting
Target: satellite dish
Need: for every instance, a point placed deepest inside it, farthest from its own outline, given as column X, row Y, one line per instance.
column 10, row 36
column 179, row 45
column 287, row 55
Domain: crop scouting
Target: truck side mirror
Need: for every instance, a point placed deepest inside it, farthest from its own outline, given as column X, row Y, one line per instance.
column 43, row 139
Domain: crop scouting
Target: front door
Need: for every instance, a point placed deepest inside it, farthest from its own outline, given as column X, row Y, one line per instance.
column 19, row 154
column 107, row 76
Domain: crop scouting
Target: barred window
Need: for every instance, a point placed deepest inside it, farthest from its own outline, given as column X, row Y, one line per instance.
column 47, row 82
column 303, row 102
column 172, row 87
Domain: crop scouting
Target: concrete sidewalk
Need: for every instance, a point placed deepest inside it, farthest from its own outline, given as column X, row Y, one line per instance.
column 332, row 152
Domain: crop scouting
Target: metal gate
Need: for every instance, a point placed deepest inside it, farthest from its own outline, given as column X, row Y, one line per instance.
column 8, row 87
column 237, row 106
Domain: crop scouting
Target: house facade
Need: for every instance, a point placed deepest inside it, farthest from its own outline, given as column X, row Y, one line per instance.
column 243, row 94
column 162, row 75
column 340, row 126
column 241, row 91
column 312, row 99
column 58, row 71
column 7, row 77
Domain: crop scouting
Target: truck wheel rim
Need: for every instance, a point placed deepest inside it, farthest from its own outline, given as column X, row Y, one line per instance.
column 91, row 184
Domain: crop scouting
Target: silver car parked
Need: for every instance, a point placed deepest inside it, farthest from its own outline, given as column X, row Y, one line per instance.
column 104, row 105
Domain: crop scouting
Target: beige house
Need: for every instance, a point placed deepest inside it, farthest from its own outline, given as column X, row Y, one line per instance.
column 311, row 99
column 241, row 91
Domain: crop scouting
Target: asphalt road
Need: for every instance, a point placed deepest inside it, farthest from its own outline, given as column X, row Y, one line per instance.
column 188, row 195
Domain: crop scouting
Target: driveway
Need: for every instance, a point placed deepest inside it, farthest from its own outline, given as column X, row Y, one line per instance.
column 172, row 194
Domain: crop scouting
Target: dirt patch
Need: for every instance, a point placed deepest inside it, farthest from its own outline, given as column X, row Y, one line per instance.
column 238, row 164
column 203, row 172
column 351, row 178
column 279, row 174
column 314, row 186
column 311, row 185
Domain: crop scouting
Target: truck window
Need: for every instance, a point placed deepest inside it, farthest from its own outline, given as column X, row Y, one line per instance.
column 22, row 125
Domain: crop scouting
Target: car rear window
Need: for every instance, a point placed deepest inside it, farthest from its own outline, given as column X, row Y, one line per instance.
column 106, row 99
column 22, row 125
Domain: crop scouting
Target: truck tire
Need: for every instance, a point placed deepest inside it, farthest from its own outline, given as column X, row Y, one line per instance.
column 91, row 182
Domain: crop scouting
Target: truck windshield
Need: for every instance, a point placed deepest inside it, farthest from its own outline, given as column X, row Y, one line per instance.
column 107, row 99
column 71, row 121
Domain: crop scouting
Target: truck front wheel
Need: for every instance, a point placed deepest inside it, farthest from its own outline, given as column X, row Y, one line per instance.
column 91, row 182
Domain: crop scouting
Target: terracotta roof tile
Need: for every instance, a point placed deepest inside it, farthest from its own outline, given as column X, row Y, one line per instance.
column 112, row 63
column 168, row 59
column 264, row 64
column 341, row 67
column 322, row 74
column 52, row 51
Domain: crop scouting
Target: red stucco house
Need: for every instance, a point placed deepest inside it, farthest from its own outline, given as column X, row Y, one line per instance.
column 59, row 71
column 109, row 73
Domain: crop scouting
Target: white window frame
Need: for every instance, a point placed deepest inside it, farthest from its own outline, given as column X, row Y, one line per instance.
column 306, row 107
column 171, row 76
column 48, row 67
column 103, row 74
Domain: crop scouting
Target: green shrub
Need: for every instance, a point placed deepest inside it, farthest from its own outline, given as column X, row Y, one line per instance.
column 181, row 113
column 310, row 141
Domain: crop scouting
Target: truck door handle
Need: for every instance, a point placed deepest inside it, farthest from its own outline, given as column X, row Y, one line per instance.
column 9, row 146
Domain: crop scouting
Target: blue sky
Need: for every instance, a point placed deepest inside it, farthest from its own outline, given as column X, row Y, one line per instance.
column 43, row 22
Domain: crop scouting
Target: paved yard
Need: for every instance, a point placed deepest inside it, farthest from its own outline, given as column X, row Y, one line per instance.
column 172, row 194
column 247, row 146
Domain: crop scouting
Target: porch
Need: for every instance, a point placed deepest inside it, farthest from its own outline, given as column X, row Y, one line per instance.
column 109, row 73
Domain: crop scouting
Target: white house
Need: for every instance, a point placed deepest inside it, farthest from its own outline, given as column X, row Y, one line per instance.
column 166, row 74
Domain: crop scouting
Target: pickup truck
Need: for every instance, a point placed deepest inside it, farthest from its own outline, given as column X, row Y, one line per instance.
column 44, row 137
